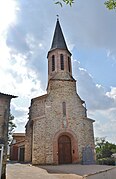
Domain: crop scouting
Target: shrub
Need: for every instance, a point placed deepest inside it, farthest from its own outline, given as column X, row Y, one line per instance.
column 106, row 161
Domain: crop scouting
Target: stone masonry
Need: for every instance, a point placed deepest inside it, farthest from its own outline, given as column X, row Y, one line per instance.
column 4, row 117
column 58, row 128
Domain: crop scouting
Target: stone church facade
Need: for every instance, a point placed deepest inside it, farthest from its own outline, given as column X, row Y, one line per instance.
column 58, row 130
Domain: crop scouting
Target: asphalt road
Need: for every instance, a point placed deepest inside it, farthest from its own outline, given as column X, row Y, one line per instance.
column 76, row 169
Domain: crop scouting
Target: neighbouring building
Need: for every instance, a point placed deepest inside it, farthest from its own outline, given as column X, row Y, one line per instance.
column 5, row 100
column 17, row 147
column 58, row 130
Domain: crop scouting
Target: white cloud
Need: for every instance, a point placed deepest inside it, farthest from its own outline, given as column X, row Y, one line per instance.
column 95, row 95
column 112, row 93
column 101, row 104
column 19, row 80
column 105, row 125
column 7, row 14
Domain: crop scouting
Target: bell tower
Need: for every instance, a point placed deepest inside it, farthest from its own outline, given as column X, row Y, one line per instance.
column 58, row 119
column 59, row 57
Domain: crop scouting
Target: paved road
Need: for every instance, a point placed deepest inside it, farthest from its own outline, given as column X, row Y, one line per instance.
column 26, row 171
column 76, row 169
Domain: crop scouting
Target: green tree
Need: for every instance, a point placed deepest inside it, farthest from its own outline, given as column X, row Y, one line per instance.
column 70, row 2
column 110, row 4
column 104, row 149
column 11, row 127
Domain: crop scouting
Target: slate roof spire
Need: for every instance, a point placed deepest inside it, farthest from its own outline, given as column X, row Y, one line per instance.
column 58, row 38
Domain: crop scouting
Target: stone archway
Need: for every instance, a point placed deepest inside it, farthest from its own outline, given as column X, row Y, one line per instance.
column 64, row 150
column 73, row 145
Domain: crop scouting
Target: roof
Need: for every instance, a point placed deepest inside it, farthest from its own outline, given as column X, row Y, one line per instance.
column 39, row 97
column 8, row 95
column 58, row 39
column 18, row 135
column 92, row 120
column 18, row 143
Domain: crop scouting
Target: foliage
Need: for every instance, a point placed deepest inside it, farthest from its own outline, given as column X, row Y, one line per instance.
column 104, row 149
column 11, row 127
column 106, row 161
column 69, row 2
column 110, row 4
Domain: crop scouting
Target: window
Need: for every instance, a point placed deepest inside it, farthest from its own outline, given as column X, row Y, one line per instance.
column 53, row 63
column 64, row 108
column 69, row 64
column 62, row 61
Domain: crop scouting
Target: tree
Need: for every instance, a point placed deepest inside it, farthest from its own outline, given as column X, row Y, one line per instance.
column 110, row 4
column 70, row 2
column 104, row 148
column 11, row 127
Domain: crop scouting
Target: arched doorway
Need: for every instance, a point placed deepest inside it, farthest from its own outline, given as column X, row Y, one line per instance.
column 64, row 150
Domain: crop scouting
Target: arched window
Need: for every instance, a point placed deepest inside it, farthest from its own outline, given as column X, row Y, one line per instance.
column 69, row 64
column 53, row 63
column 62, row 61
column 64, row 108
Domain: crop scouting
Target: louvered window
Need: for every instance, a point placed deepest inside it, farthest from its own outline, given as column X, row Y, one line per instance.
column 53, row 63
column 62, row 61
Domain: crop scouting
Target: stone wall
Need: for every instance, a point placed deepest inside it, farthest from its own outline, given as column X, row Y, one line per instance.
column 75, row 123
column 88, row 130
column 57, row 53
column 37, row 108
column 4, row 111
column 36, row 113
column 17, row 138
column 39, row 141
column 4, row 118
column 28, row 141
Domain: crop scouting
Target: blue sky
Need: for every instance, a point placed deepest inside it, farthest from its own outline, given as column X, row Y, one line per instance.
column 98, row 64
column 26, row 32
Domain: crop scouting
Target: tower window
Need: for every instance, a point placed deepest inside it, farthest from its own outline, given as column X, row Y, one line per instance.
column 64, row 108
column 53, row 63
column 69, row 64
column 62, row 61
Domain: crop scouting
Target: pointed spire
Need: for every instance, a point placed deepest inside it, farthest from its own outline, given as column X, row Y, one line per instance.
column 58, row 38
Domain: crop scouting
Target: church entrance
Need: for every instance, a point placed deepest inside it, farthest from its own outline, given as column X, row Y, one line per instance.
column 64, row 150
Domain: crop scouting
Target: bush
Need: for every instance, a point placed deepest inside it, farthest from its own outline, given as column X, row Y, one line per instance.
column 106, row 161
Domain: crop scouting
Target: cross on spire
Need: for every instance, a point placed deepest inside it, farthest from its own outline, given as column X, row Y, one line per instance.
column 57, row 17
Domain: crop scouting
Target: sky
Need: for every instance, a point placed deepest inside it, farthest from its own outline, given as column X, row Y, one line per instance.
column 26, row 32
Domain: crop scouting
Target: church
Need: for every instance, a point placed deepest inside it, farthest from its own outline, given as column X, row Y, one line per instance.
column 58, row 130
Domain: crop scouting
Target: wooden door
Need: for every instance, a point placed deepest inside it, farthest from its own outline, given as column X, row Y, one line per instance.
column 64, row 150
column 14, row 153
column 21, row 154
